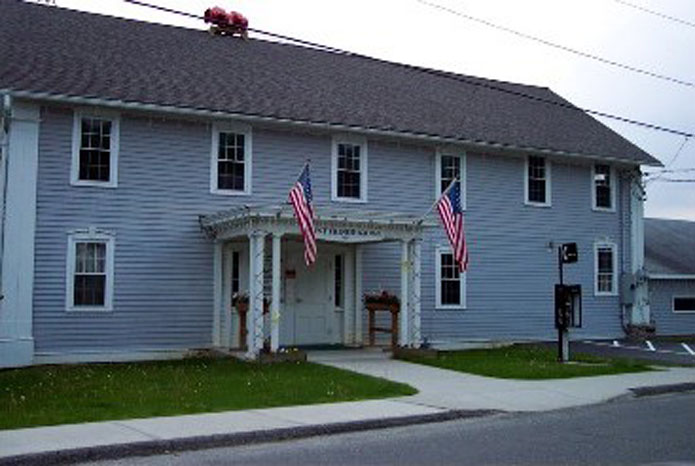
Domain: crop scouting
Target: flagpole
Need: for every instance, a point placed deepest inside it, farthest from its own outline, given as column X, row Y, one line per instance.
column 422, row 219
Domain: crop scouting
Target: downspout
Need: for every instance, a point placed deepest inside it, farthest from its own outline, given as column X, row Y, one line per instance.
column 5, row 116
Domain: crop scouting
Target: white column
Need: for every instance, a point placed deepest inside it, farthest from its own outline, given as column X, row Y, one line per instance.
column 359, row 299
column 415, row 332
column 275, row 303
column 403, row 335
column 349, row 301
column 254, row 318
column 21, row 157
column 218, row 319
column 640, row 314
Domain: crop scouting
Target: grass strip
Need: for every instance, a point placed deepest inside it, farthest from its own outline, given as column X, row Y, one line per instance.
column 49, row 395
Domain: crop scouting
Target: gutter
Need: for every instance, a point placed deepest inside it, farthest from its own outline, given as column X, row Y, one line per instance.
column 483, row 145
column 5, row 115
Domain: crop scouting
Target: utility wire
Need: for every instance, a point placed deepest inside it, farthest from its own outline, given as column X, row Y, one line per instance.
column 657, row 13
column 443, row 74
column 558, row 46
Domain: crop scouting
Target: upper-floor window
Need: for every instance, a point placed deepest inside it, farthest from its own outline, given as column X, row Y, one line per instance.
column 449, row 167
column 95, row 150
column 349, row 169
column 606, row 269
column 231, row 160
column 450, row 282
column 603, row 187
column 90, row 272
column 537, row 179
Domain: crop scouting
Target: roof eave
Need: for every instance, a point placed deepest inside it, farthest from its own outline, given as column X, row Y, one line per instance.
column 172, row 109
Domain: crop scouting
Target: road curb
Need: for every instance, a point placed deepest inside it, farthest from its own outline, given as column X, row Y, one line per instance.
column 662, row 389
column 155, row 447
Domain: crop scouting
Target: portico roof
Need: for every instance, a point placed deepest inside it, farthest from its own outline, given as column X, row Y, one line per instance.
column 332, row 224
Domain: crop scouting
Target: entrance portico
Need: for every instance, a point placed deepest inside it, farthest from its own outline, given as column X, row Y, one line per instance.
column 259, row 257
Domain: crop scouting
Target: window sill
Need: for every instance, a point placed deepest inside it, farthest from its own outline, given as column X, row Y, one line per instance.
column 229, row 192
column 450, row 307
column 89, row 309
column 600, row 294
column 603, row 209
column 94, row 184
column 349, row 200
column 546, row 205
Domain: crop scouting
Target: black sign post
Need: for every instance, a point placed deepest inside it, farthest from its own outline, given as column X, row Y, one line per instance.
column 568, row 299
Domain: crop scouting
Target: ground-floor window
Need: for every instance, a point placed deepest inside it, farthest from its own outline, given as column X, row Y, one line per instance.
column 605, row 261
column 90, row 272
column 450, row 287
column 684, row 304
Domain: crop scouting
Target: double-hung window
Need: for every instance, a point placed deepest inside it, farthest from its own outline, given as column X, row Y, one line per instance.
column 603, row 188
column 537, row 178
column 606, row 269
column 450, row 286
column 349, row 170
column 231, row 160
column 90, row 272
column 449, row 167
column 95, row 144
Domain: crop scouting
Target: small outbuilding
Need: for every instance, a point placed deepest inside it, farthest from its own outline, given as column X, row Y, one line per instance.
column 670, row 264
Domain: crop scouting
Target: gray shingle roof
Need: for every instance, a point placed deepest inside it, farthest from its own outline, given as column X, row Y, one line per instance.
column 669, row 246
column 57, row 51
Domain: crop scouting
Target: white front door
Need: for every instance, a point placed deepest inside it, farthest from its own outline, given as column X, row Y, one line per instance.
column 309, row 309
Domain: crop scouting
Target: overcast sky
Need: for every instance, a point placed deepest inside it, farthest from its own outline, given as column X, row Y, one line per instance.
column 408, row 31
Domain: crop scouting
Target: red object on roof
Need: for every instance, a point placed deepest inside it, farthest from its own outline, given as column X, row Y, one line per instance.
column 232, row 22
column 216, row 16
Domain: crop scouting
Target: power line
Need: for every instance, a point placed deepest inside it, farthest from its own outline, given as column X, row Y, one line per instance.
column 442, row 74
column 657, row 13
column 558, row 46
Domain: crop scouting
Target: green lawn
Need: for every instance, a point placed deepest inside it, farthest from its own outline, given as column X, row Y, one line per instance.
column 47, row 395
column 527, row 362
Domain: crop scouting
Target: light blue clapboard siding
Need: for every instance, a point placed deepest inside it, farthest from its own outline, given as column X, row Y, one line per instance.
column 163, row 275
column 661, row 293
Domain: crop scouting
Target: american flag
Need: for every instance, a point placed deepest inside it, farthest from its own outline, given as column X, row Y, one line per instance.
column 449, row 207
column 301, row 198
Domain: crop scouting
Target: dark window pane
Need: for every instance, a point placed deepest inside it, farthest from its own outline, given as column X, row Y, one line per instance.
column 536, row 180
column 684, row 304
column 349, row 171
column 95, row 150
column 90, row 290
column 230, row 166
column 338, row 283
column 236, row 272
column 602, row 182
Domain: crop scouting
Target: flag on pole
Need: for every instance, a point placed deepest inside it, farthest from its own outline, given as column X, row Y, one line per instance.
column 300, row 197
column 449, row 207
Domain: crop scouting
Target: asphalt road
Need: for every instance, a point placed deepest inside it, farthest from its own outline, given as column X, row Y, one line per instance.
column 651, row 430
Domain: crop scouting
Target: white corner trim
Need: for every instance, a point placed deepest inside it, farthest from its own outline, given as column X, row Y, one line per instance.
column 238, row 128
column 364, row 164
column 548, row 183
column 462, row 156
column 18, row 261
column 613, row 188
column 89, row 236
column 439, row 250
column 614, row 248
column 114, row 148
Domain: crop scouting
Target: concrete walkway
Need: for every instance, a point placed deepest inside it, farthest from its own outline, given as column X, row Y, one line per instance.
column 447, row 389
column 443, row 395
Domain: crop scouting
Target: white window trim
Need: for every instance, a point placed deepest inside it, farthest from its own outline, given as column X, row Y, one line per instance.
column 115, row 120
column 673, row 304
column 438, row 171
column 548, row 183
column 593, row 188
column 91, row 236
column 439, row 250
column 238, row 128
column 614, row 248
column 355, row 140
